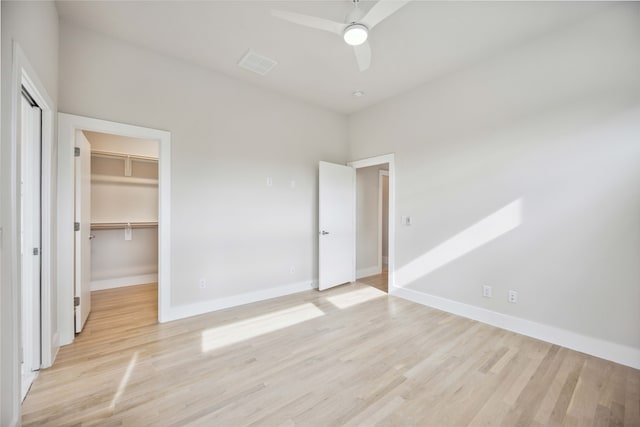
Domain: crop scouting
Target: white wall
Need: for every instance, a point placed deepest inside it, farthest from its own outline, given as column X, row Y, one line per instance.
column 553, row 124
column 34, row 25
column 227, row 137
column 116, row 262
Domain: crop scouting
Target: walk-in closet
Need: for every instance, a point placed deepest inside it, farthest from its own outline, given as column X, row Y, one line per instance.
column 124, row 211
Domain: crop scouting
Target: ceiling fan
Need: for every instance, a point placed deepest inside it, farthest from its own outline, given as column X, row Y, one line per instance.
column 354, row 30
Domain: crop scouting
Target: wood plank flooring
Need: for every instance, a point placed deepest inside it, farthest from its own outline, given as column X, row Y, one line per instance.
column 379, row 281
column 349, row 356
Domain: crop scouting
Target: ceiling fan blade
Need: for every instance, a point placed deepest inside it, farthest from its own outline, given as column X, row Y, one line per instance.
column 363, row 55
column 382, row 10
column 310, row 21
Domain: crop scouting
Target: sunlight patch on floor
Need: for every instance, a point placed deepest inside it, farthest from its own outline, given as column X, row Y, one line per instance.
column 482, row 232
column 233, row 333
column 124, row 381
column 358, row 296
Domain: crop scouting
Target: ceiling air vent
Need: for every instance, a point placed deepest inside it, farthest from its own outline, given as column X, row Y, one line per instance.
column 257, row 63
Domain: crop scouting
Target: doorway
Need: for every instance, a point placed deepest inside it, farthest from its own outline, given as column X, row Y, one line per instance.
column 338, row 223
column 372, row 224
column 30, row 239
column 118, row 207
column 129, row 228
column 375, row 215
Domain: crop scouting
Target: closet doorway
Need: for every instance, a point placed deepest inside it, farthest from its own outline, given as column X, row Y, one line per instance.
column 125, row 224
column 123, row 236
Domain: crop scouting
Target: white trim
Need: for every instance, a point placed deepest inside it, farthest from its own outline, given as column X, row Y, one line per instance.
column 47, row 186
column 183, row 311
column 381, row 259
column 67, row 125
column 121, row 282
column 390, row 160
column 23, row 73
column 369, row 271
column 618, row 353
column 39, row 94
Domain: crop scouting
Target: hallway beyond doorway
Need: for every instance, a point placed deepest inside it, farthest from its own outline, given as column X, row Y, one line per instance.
column 378, row 281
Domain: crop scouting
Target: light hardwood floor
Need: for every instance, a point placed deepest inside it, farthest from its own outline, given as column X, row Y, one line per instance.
column 349, row 356
column 378, row 281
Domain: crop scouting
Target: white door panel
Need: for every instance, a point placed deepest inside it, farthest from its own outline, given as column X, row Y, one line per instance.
column 30, row 231
column 336, row 219
column 83, row 236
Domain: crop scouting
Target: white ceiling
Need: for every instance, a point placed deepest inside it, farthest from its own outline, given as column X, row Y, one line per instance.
column 421, row 42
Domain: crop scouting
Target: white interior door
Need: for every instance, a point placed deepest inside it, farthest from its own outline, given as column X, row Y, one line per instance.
column 337, row 228
column 83, row 234
column 30, row 232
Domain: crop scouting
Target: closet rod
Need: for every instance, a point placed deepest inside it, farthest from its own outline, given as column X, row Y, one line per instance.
column 109, row 154
column 122, row 225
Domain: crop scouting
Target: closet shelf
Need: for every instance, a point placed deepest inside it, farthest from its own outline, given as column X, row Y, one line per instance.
column 122, row 225
column 124, row 180
column 110, row 155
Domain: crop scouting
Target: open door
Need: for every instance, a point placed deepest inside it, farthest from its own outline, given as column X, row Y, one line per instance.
column 82, row 301
column 337, row 228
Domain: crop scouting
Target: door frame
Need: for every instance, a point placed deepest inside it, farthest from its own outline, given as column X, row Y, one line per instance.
column 382, row 173
column 68, row 124
column 375, row 161
column 31, row 220
column 23, row 74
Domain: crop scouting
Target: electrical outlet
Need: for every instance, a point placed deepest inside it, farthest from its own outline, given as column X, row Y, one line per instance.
column 203, row 283
column 486, row 291
column 513, row 297
column 269, row 181
column 292, row 269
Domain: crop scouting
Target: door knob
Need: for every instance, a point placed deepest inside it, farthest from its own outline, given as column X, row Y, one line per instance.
column 324, row 233
column 92, row 236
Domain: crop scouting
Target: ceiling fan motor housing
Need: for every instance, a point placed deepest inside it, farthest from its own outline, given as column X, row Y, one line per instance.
column 355, row 34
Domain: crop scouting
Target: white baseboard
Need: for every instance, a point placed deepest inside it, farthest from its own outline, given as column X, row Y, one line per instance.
column 370, row 271
column 119, row 282
column 180, row 312
column 618, row 353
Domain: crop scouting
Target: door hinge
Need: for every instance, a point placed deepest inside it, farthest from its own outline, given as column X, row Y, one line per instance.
column 76, row 226
column 76, row 301
column 36, row 251
column 76, row 151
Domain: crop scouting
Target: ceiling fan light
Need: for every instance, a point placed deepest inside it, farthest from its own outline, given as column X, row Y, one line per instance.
column 355, row 34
